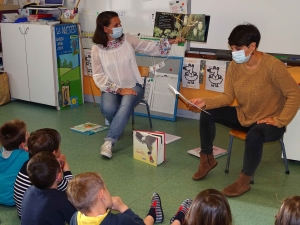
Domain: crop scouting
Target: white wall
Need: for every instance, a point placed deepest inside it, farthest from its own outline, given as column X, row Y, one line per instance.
column 277, row 20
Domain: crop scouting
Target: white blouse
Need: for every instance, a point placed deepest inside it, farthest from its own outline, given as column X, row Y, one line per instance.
column 115, row 68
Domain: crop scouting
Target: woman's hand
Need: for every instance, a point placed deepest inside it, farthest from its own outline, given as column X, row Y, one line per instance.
column 269, row 121
column 176, row 41
column 198, row 102
column 127, row 91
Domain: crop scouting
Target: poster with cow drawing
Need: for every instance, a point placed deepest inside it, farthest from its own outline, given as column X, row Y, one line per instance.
column 215, row 75
column 190, row 73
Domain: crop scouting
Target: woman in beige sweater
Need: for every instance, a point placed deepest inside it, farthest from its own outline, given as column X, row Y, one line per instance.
column 268, row 100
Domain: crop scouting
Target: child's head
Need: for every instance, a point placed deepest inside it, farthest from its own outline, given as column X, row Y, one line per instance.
column 13, row 134
column 86, row 190
column 45, row 139
column 44, row 170
column 289, row 213
column 210, row 207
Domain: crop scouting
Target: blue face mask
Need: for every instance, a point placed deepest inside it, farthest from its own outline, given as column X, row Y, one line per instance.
column 240, row 57
column 117, row 32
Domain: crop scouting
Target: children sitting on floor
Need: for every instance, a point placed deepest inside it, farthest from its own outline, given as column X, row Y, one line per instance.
column 289, row 212
column 13, row 138
column 42, row 202
column 88, row 193
column 210, row 207
column 46, row 139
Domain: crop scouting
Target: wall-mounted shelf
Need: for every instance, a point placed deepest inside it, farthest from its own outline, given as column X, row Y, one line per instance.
column 46, row 8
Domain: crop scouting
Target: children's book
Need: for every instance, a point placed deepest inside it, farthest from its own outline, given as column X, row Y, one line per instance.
column 216, row 151
column 88, row 128
column 191, row 27
column 149, row 147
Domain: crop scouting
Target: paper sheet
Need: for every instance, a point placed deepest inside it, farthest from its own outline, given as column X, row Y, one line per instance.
column 162, row 100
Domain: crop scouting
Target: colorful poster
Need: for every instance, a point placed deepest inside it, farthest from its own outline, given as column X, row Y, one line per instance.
column 68, row 63
column 191, row 73
column 215, row 75
column 192, row 27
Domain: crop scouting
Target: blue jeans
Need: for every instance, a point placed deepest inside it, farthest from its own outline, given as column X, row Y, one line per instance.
column 117, row 110
column 257, row 135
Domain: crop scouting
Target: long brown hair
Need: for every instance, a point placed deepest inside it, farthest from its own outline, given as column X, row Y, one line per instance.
column 289, row 213
column 103, row 20
column 210, row 207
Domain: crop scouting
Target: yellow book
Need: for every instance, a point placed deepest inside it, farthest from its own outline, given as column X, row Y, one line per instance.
column 149, row 147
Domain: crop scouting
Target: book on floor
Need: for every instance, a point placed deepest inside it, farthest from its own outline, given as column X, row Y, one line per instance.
column 218, row 152
column 88, row 128
column 149, row 147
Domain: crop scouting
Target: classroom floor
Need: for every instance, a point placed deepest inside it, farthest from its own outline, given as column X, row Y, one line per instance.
column 135, row 181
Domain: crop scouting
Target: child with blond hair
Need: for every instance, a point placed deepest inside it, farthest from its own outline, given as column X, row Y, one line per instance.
column 88, row 193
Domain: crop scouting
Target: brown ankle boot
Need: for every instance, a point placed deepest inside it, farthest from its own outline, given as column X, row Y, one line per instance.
column 239, row 187
column 207, row 163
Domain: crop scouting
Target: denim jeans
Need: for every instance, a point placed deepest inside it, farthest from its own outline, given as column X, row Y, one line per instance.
column 117, row 110
column 257, row 134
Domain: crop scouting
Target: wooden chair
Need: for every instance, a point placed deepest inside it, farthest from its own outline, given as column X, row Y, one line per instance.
column 242, row 135
column 144, row 71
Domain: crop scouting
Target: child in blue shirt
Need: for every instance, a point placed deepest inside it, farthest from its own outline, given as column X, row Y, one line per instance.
column 13, row 138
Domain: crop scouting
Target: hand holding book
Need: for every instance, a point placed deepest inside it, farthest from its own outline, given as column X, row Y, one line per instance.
column 194, row 103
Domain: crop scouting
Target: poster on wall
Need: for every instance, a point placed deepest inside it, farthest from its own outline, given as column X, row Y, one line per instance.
column 68, row 65
column 191, row 73
column 88, row 64
column 215, row 75
column 191, row 27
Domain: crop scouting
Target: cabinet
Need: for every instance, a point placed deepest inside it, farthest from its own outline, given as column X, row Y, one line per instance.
column 28, row 59
column 292, row 140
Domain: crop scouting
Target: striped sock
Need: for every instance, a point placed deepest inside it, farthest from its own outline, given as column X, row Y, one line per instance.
column 156, row 209
column 180, row 214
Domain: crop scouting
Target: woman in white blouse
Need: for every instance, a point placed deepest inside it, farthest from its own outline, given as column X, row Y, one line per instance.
column 116, row 73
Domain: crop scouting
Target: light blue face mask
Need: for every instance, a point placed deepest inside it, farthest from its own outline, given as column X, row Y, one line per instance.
column 240, row 57
column 117, row 32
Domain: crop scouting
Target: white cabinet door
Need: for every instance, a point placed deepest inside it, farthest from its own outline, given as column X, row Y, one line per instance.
column 41, row 71
column 14, row 59
column 292, row 138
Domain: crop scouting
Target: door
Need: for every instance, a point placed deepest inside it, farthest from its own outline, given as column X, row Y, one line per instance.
column 40, row 61
column 14, row 59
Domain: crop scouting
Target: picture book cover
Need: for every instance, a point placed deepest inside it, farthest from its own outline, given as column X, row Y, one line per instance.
column 191, row 27
column 218, row 152
column 88, row 128
column 149, row 147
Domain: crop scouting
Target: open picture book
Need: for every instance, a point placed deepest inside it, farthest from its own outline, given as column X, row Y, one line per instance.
column 88, row 128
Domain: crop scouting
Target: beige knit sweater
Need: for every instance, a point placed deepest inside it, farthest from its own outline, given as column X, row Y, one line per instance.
column 267, row 91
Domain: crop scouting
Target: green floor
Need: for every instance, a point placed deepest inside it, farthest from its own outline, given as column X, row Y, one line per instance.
column 134, row 181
